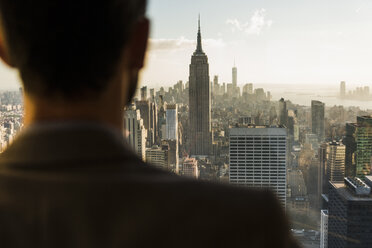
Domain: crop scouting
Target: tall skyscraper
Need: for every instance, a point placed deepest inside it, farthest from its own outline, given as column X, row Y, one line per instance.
column 342, row 89
column 336, row 162
column 350, row 214
column 317, row 119
column 161, row 119
column 200, row 102
column 135, row 132
column 283, row 113
column 171, row 122
column 152, row 95
column 144, row 108
column 324, row 228
column 173, row 154
column 358, row 142
column 258, row 158
column 144, row 93
column 148, row 112
column 216, row 87
column 322, row 172
column 235, row 76
column 153, row 122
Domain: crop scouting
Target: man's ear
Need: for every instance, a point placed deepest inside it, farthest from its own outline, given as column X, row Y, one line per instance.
column 4, row 55
column 138, row 43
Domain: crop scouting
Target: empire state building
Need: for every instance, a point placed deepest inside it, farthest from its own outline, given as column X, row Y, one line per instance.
column 200, row 102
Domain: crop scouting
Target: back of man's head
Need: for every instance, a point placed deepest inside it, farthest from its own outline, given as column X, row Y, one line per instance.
column 67, row 47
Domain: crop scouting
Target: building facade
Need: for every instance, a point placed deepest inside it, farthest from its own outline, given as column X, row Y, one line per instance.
column 317, row 119
column 148, row 113
column 322, row 172
column 324, row 228
column 171, row 122
column 144, row 93
column 158, row 156
column 161, row 119
column 173, row 154
column 135, row 132
column 190, row 168
column 336, row 162
column 350, row 215
column 258, row 158
column 283, row 113
column 200, row 138
column 358, row 142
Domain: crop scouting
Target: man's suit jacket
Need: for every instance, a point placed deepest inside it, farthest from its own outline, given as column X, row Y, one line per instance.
column 80, row 186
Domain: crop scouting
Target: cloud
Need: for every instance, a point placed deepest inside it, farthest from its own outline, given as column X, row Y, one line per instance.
column 256, row 25
column 170, row 44
column 181, row 44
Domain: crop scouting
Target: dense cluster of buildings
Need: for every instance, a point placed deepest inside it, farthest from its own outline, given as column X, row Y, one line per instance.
column 359, row 93
column 11, row 117
column 345, row 178
column 316, row 159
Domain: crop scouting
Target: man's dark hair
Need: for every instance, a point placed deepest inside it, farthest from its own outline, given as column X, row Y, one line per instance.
column 67, row 47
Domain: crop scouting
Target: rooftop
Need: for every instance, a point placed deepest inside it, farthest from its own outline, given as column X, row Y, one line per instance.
column 357, row 186
column 259, row 130
column 348, row 195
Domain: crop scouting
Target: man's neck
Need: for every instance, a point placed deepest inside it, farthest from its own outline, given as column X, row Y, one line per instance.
column 99, row 111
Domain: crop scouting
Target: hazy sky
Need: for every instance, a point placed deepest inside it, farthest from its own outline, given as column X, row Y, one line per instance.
column 287, row 41
column 295, row 42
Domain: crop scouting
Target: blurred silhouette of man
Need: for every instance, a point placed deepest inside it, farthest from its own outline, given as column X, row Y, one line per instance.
column 69, row 180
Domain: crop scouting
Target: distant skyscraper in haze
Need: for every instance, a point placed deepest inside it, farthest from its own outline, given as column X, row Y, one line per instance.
column 248, row 89
column 258, row 158
column 216, row 91
column 152, row 94
column 235, row 76
column 317, row 119
column 144, row 93
column 342, row 89
column 200, row 102
column 283, row 113
column 358, row 142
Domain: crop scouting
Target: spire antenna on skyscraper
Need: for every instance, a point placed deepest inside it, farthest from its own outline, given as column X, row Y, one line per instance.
column 199, row 22
column 199, row 49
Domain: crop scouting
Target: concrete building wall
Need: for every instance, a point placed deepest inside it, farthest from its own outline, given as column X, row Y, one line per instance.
column 258, row 158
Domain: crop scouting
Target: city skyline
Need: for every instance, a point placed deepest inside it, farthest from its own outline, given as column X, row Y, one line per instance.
column 273, row 99
column 271, row 43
